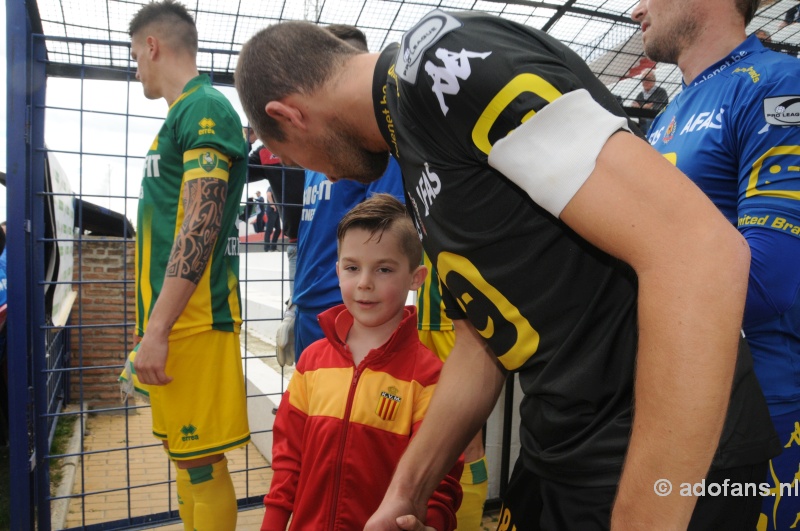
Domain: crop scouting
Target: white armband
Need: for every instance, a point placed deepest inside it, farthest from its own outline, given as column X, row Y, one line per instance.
column 552, row 154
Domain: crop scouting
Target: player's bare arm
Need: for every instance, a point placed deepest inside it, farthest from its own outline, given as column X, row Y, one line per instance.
column 471, row 365
column 692, row 267
column 203, row 203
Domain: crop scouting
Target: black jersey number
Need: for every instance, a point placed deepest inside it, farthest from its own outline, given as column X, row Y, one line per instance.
column 500, row 323
column 519, row 85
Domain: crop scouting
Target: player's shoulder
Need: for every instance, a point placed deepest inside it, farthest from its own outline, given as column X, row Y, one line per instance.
column 766, row 67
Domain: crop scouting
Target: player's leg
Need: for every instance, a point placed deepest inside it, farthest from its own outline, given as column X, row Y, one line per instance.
column 202, row 414
column 474, row 485
column 213, row 498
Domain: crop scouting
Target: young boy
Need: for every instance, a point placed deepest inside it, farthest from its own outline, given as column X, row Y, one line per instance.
column 359, row 394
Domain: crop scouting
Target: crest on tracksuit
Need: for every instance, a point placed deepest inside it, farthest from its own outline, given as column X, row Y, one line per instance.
column 388, row 404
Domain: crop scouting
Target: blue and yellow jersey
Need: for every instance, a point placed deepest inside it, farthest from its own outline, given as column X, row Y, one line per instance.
column 200, row 138
column 735, row 131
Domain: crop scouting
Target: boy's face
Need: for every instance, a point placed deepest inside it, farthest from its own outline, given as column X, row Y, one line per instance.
column 375, row 277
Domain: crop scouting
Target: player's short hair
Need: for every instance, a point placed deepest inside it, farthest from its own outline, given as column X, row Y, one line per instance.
column 350, row 34
column 379, row 213
column 747, row 8
column 283, row 59
column 169, row 20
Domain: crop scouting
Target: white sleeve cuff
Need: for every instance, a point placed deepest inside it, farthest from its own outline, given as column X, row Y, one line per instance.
column 552, row 154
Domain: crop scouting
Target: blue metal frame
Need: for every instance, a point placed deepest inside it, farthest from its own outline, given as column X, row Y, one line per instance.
column 18, row 243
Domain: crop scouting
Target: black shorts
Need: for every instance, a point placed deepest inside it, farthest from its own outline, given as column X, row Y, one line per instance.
column 535, row 504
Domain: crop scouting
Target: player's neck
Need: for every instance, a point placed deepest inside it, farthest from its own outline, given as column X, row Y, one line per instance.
column 713, row 44
column 352, row 94
column 176, row 78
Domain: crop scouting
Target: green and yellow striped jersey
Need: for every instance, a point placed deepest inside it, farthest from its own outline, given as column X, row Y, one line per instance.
column 430, row 307
column 201, row 137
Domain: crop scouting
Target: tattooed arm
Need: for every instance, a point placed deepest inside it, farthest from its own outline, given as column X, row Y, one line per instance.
column 203, row 203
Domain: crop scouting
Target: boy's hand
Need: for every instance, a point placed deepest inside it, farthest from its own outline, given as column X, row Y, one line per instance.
column 410, row 522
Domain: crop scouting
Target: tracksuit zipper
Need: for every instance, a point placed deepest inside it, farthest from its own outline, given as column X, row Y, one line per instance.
column 340, row 455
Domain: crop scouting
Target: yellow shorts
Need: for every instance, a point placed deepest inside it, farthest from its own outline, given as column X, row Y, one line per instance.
column 203, row 410
column 441, row 342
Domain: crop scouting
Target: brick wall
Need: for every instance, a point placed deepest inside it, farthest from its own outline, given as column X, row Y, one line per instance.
column 104, row 304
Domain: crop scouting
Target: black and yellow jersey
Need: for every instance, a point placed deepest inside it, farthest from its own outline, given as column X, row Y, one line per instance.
column 549, row 304
column 201, row 137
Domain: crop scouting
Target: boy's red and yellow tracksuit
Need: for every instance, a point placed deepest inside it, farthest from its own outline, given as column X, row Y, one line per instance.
column 341, row 429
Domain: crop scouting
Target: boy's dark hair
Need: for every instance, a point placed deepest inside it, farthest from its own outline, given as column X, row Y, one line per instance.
column 747, row 8
column 283, row 59
column 379, row 213
column 350, row 34
column 174, row 22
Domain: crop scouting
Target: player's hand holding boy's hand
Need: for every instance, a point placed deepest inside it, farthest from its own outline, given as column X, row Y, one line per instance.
column 386, row 517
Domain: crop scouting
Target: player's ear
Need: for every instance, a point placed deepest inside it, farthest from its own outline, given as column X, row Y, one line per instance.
column 152, row 46
column 418, row 277
column 337, row 268
column 285, row 112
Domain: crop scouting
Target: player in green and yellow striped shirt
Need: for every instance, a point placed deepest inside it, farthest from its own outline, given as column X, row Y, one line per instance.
column 187, row 267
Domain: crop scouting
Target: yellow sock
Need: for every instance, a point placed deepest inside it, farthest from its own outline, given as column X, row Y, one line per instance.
column 214, row 498
column 474, row 484
column 185, row 499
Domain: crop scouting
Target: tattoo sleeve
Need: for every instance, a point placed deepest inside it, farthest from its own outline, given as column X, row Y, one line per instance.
column 203, row 203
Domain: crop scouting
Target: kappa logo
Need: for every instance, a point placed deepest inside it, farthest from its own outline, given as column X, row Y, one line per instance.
column 189, row 433
column 782, row 110
column 418, row 39
column 445, row 78
column 206, row 126
column 208, row 161
column 388, row 404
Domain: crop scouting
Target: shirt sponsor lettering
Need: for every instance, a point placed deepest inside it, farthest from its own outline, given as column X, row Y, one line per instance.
column 151, row 166
column 730, row 61
column 428, row 188
column 311, row 195
column 704, row 120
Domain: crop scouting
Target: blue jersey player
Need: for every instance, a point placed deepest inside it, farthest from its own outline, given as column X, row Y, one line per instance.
column 735, row 131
